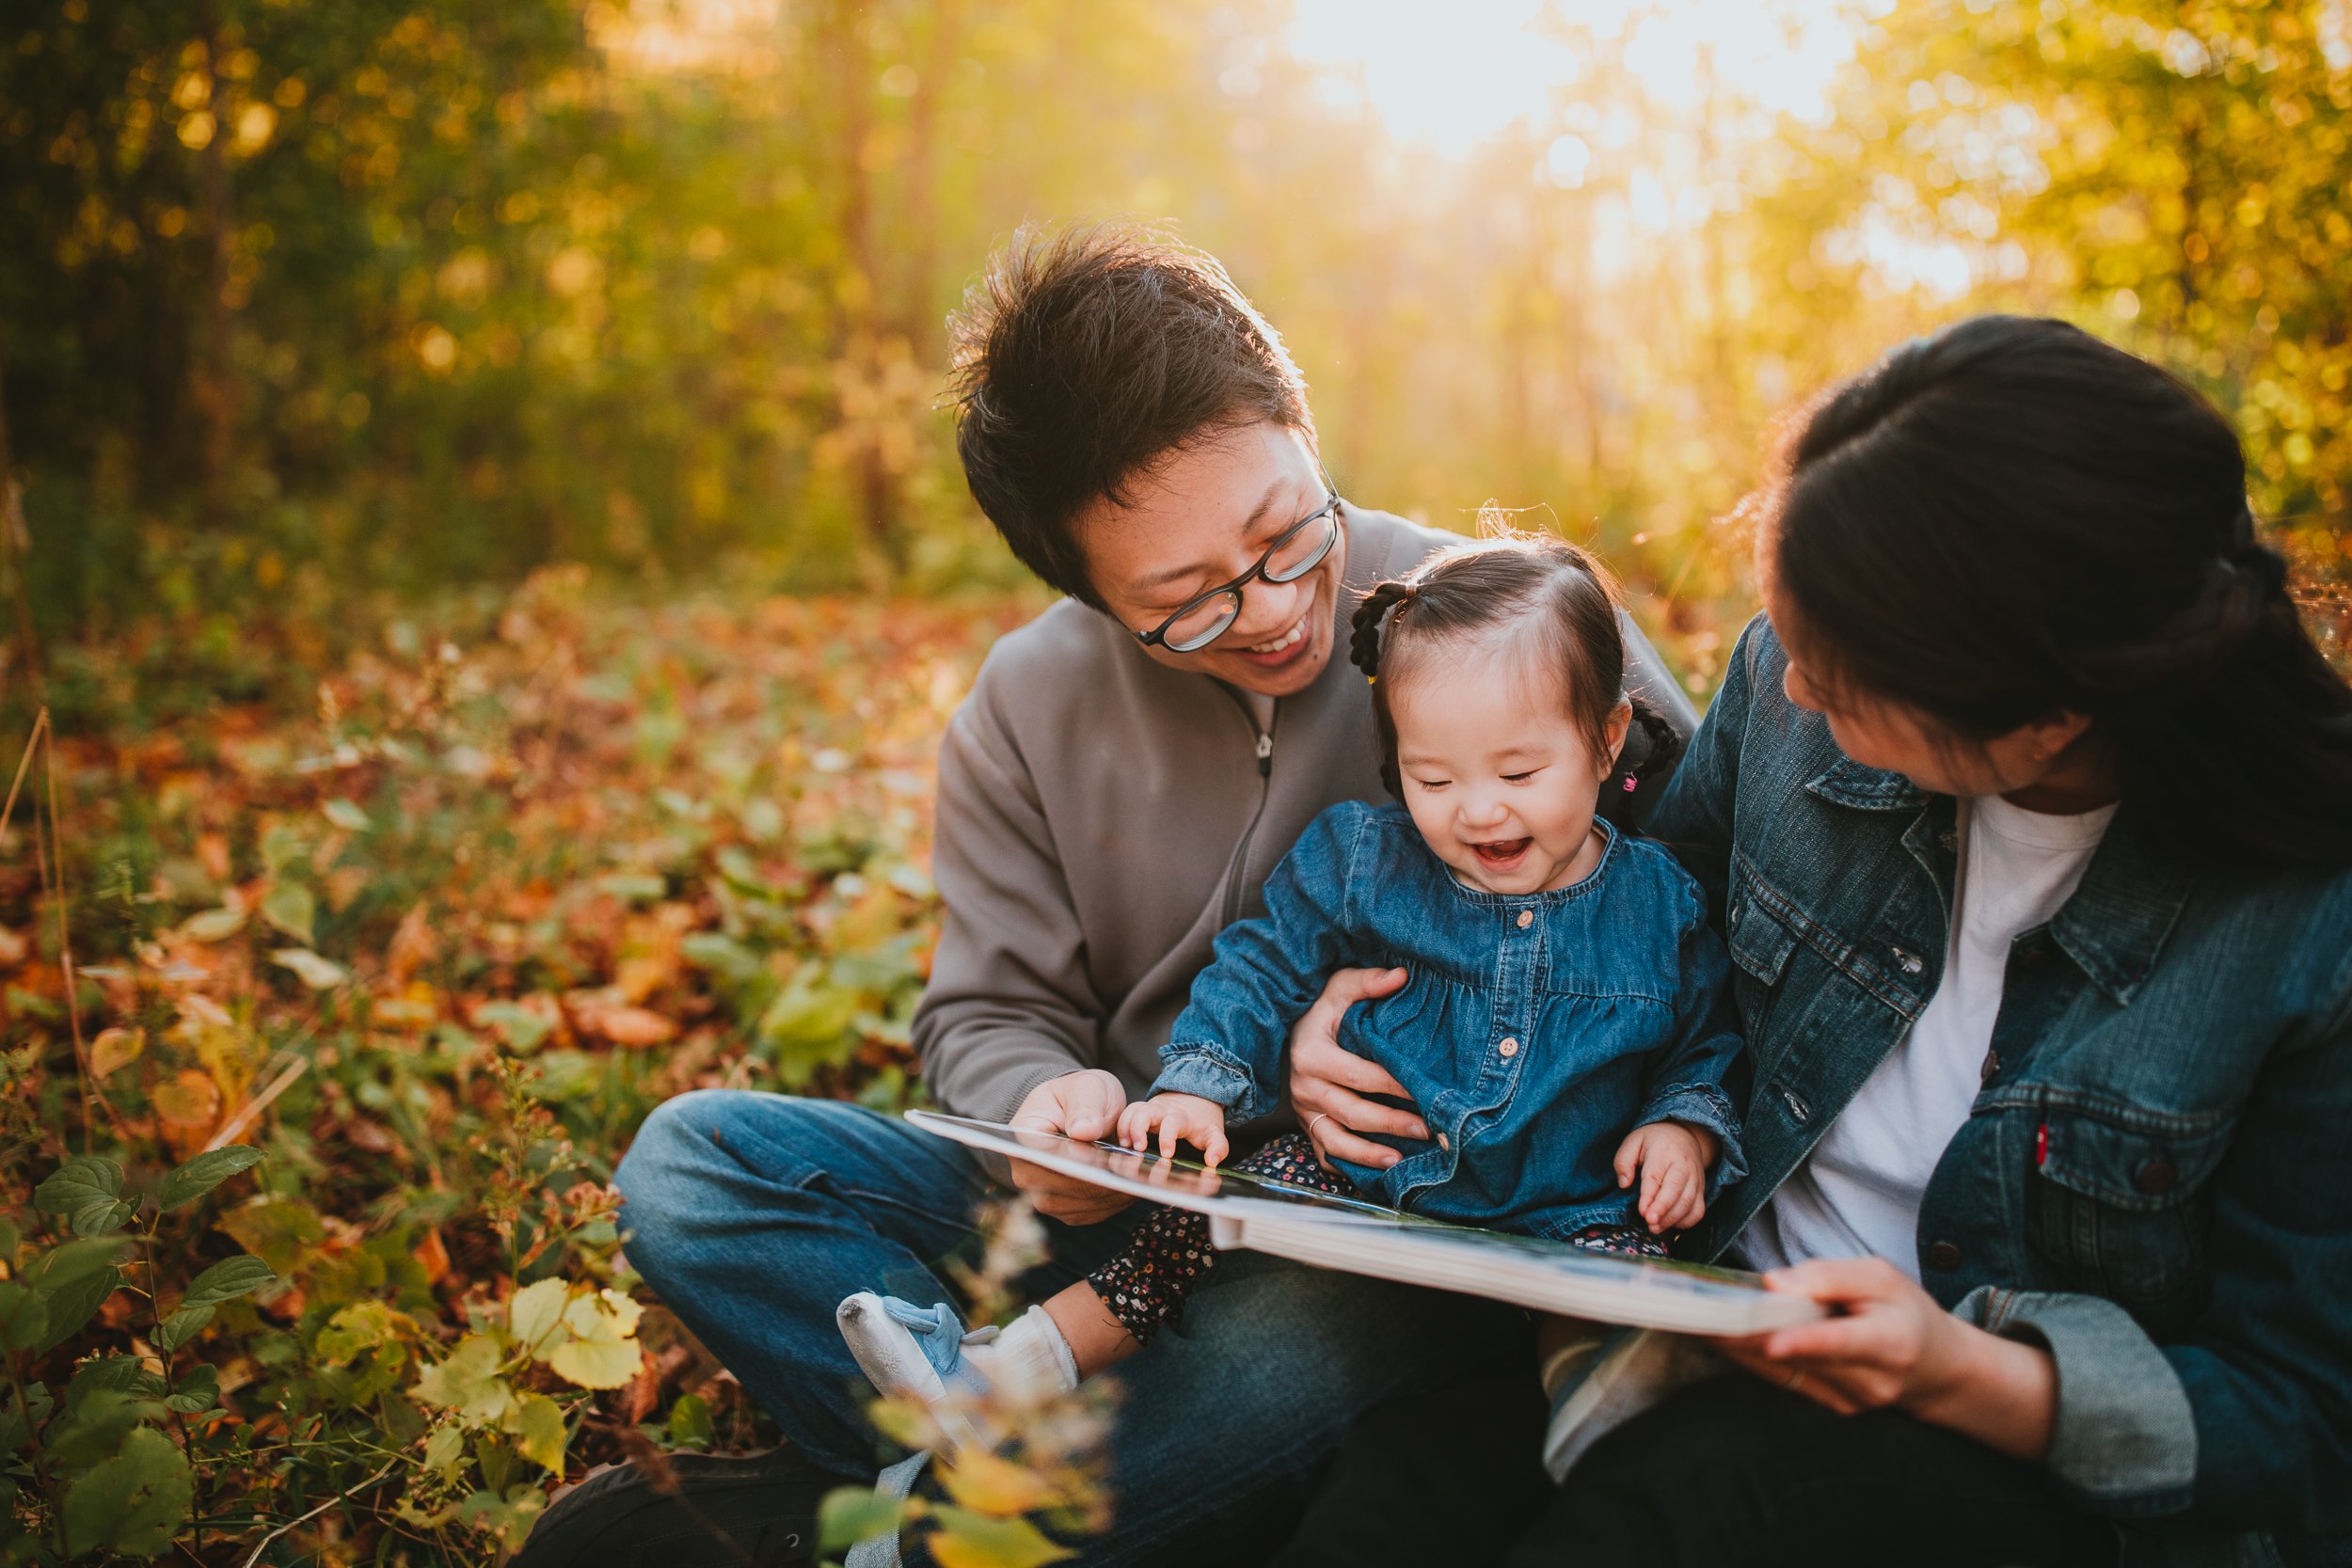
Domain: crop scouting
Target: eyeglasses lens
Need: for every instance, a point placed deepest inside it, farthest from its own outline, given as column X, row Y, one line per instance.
column 1203, row 623
column 1293, row 558
column 1298, row 555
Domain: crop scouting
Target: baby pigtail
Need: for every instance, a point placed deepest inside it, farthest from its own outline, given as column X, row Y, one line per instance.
column 1652, row 747
column 1364, row 644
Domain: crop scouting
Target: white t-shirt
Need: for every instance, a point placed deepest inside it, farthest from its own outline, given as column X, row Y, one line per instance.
column 1858, row 1193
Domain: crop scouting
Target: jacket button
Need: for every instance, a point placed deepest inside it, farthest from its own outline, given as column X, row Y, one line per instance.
column 1509, row 1047
column 1991, row 1068
column 1911, row 963
column 1797, row 1107
column 2156, row 1177
column 1527, row 918
column 1943, row 1257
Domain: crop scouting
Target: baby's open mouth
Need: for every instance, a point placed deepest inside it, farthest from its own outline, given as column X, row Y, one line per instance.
column 1502, row 852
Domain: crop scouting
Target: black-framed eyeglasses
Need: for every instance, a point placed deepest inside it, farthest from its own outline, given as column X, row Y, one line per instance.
column 1299, row 550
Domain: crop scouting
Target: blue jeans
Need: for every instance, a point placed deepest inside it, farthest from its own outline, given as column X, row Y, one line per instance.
column 754, row 1214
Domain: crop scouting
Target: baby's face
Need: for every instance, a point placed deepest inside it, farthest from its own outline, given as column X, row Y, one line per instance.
column 1501, row 781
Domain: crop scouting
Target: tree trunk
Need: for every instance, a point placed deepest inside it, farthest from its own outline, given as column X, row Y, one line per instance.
column 858, row 358
column 16, row 549
column 920, row 314
column 215, row 387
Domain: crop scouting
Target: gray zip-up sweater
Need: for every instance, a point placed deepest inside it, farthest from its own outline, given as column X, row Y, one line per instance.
column 1102, row 816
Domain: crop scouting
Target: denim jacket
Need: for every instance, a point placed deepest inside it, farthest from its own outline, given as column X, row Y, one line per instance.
column 2156, row 1179
column 1534, row 1033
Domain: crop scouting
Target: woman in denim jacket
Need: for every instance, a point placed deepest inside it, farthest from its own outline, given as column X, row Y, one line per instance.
column 2027, row 820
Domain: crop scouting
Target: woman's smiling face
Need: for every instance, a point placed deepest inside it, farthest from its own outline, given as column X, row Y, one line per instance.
column 1500, row 780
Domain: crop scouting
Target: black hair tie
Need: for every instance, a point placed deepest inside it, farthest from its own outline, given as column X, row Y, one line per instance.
column 1363, row 645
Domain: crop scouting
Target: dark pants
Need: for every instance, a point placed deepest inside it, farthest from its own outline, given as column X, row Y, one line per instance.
column 754, row 1214
column 1729, row 1473
column 1446, row 1480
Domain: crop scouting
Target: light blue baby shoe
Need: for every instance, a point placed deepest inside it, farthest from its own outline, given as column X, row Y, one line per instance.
column 918, row 1352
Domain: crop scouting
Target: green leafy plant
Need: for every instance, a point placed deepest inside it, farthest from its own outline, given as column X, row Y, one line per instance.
column 103, row 1464
column 507, row 1396
column 542, row 925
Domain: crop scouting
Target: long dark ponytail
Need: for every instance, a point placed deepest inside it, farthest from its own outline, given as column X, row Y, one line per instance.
column 2010, row 519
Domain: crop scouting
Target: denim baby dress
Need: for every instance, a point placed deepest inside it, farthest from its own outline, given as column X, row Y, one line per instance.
column 1534, row 1032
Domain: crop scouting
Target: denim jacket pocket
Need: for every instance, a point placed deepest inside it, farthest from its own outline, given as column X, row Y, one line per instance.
column 1759, row 946
column 2118, row 1205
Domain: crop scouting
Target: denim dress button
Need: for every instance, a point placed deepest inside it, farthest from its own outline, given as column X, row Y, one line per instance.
column 1943, row 1257
column 1509, row 1047
column 1442, row 1144
column 1527, row 918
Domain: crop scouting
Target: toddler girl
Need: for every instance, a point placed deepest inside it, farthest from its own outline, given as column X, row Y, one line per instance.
column 1565, row 1031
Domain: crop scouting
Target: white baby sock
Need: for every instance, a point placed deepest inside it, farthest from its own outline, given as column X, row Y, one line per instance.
column 1029, row 1353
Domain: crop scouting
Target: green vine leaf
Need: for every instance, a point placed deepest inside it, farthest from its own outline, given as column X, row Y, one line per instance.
column 227, row 1280
column 445, row 1449
column 182, row 1326
column 468, row 1381
column 361, row 1326
column 15, row 1429
column 291, row 909
column 197, row 1392
column 132, row 1503
column 76, row 1301
column 601, row 1352
column 535, row 1317
column 87, row 1191
column 24, row 1317
column 536, row 1423
column 851, row 1514
column 313, row 971
column 193, row 1179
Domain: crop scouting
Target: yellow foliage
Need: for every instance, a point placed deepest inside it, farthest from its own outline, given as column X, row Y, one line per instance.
column 991, row 1484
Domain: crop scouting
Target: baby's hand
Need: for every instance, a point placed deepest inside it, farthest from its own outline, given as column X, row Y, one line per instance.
column 1186, row 1117
column 1671, row 1159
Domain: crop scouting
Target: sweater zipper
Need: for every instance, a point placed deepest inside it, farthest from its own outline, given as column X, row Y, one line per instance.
column 1265, row 788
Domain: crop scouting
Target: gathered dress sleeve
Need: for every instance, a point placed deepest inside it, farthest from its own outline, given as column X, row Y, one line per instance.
column 1228, row 1044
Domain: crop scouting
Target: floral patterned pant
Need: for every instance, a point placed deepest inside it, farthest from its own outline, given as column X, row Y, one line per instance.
column 1147, row 1284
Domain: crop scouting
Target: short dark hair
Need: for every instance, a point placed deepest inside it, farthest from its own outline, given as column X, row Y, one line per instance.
column 1083, row 357
column 2010, row 519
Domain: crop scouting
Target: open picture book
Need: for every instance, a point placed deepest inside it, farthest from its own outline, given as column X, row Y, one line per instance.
column 1365, row 1238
